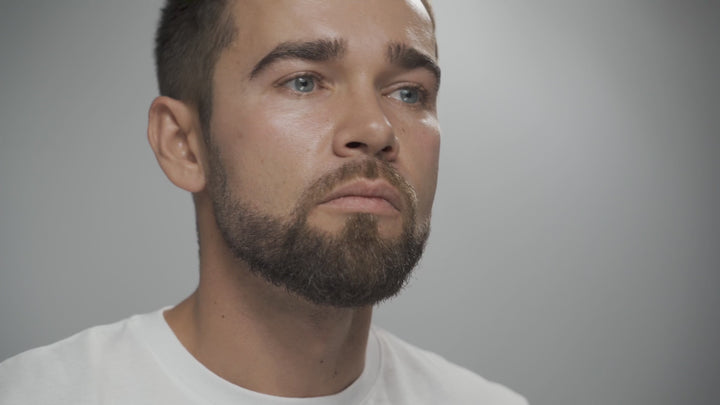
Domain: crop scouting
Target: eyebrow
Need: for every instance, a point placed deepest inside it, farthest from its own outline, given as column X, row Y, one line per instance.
column 317, row 50
column 410, row 58
column 320, row 50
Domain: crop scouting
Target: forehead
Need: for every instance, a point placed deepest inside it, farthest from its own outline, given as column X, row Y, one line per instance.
column 362, row 25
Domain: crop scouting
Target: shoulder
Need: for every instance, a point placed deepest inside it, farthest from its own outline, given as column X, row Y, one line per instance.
column 67, row 368
column 80, row 350
column 433, row 379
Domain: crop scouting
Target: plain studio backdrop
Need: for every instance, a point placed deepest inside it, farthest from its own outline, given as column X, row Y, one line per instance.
column 575, row 253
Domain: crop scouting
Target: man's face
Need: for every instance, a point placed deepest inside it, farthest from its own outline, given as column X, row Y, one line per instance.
column 324, row 144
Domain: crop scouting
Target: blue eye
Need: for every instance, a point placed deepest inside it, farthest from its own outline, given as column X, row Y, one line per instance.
column 302, row 84
column 408, row 95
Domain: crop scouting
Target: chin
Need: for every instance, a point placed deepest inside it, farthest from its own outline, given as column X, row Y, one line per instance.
column 336, row 225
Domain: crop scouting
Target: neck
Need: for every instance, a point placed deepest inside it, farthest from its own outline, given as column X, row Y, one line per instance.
column 262, row 338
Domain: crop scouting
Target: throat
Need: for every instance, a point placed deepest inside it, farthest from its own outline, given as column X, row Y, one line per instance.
column 310, row 352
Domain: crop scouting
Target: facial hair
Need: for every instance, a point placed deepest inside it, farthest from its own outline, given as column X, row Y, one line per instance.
column 357, row 267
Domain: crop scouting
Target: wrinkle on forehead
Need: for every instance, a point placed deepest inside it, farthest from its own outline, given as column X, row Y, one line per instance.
column 424, row 31
column 420, row 8
column 285, row 21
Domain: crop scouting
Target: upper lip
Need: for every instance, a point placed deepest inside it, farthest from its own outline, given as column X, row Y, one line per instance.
column 368, row 189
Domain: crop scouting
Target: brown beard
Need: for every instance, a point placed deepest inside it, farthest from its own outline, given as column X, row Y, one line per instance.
column 355, row 268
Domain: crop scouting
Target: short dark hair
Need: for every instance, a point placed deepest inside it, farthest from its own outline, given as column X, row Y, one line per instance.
column 191, row 35
column 189, row 39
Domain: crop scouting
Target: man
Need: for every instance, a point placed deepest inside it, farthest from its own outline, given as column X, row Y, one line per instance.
column 307, row 133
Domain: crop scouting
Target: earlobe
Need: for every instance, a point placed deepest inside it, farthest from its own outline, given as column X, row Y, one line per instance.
column 175, row 137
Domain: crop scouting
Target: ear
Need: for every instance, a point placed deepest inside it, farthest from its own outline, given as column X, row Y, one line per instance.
column 175, row 137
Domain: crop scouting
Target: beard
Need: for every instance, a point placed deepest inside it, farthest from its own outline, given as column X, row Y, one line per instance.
column 356, row 267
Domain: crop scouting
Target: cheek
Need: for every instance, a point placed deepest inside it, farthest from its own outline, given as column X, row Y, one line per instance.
column 269, row 156
column 421, row 151
column 429, row 176
column 299, row 138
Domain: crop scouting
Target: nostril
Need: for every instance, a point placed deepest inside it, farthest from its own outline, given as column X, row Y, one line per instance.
column 387, row 149
column 354, row 145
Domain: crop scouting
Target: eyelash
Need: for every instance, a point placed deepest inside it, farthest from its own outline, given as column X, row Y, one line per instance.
column 423, row 94
column 317, row 79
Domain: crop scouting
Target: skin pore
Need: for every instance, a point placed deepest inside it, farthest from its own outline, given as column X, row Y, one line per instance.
column 308, row 88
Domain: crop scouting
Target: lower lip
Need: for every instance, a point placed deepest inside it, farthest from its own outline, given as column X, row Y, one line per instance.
column 372, row 205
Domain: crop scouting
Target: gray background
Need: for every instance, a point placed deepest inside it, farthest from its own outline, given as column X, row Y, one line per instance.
column 576, row 247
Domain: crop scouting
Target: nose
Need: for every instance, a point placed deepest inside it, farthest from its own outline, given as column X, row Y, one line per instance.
column 364, row 129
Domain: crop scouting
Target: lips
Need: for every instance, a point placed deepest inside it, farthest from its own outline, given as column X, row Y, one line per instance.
column 370, row 189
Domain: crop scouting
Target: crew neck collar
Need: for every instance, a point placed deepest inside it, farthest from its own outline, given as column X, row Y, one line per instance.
column 208, row 387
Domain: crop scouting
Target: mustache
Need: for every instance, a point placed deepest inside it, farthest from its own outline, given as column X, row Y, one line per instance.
column 368, row 168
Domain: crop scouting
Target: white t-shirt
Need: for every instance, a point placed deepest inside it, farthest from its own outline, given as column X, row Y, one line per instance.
column 140, row 361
